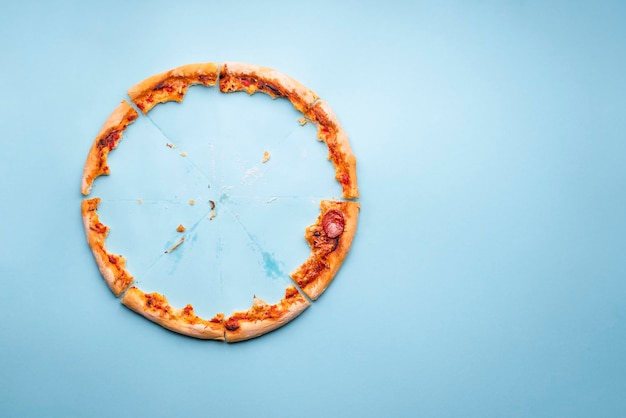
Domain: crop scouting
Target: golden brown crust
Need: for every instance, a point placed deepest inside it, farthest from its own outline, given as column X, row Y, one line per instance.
column 107, row 139
column 339, row 151
column 171, row 85
column 329, row 247
column 112, row 267
column 262, row 318
column 156, row 308
column 238, row 76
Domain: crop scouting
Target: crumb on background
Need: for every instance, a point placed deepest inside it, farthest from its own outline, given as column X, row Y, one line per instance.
column 176, row 245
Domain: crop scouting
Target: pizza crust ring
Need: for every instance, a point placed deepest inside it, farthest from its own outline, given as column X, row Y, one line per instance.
column 156, row 308
column 330, row 237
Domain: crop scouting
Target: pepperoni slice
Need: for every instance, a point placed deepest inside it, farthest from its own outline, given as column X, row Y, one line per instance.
column 333, row 223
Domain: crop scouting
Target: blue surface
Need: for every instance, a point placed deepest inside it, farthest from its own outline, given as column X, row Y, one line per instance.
column 487, row 275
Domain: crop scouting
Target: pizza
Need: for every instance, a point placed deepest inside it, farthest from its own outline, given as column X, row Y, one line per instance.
column 171, row 85
column 235, row 76
column 111, row 266
column 107, row 139
column 156, row 308
column 262, row 317
column 339, row 152
column 252, row 78
column 329, row 237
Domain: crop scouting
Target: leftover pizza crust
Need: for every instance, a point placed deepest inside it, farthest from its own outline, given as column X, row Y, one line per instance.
column 107, row 139
column 339, row 151
column 111, row 266
column 171, row 85
column 238, row 76
column 262, row 317
column 330, row 237
column 156, row 308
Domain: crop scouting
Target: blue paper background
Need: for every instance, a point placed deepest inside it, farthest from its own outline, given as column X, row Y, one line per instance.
column 487, row 277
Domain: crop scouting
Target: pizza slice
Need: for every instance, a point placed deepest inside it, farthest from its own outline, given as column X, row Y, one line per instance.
column 339, row 151
column 112, row 267
column 262, row 317
column 171, row 85
column 238, row 76
column 330, row 238
column 107, row 139
column 156, row 308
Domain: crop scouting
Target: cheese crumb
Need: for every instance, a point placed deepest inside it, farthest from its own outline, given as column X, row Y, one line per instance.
column 181, row 228
column 183, row 154
column 266, row 156
column 192, row 202
column 302, row 121
column 139, row 201
column 213, row 215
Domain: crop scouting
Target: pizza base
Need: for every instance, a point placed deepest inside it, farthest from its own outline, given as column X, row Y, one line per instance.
column 156, row 308
column 327, row 254
column 171, row 85
column 238, row 76
column 111, row 266
column 262, row 318
column 107, row 139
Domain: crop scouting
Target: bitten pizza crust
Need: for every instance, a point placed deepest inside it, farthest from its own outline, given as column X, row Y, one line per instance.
column 112, row 267
column 339, row 151
column 107, row 139
column 330, row 239
column 156, row 308
column 262, row 318
column 171, row 85
column 238, row 76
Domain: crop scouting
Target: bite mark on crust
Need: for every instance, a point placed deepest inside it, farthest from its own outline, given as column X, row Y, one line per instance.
column 330, row 240
column 111, row 266
column 262, row 317
column 107, row 139
column 238, row 76
column 172, row 85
